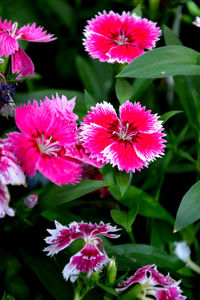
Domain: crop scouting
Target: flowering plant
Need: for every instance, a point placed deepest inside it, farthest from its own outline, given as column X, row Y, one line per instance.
column 101, row 135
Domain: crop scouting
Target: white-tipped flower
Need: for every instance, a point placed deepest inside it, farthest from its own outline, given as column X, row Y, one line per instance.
column 197, row 22
column 182, row 250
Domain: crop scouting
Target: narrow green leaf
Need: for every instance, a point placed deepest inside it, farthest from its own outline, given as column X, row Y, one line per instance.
column 88, row 77
column 170, row 37
column 123, row 90
column 89, row 100
column 163, row 62
column 148, row 206
column 189, row 209
column 169, row 114
column 108, row 289
column 7, row 297
column 53, row 195
column 133, row 256
column 137, row 10
column 125, row 218
column 123, row 179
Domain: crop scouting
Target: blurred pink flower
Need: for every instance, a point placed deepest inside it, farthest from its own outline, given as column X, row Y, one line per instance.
column 155, row 284
column 4, row 202
column 31, row 201
column 197, row 22
column 119, row 38
column 48, row 135
column 91, row 257
column 9, row 36
column 130, row 142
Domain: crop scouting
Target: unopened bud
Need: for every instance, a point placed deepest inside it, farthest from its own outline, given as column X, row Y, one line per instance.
column 182, row 250
column 31, row 201
column 1, row 60
column 111, row 271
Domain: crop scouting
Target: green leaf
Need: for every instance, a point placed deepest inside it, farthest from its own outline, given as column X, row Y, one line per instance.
column 169, row 114
column 123, row 179
column 89, row 100
column 148, row 207
column 52, row 195
column 47, row 273
column 133, row 256
column 137, row 10
column 7, row 297
column 170, row 37
column 139, row 86
column 80, row 108
column 123, row 90
column 189, row 88
column 125, row 218
column 163, row 62
column 88, row 77
column 108, row 289
column 189, row 209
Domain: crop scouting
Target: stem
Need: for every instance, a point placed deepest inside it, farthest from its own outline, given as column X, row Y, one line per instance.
column 192, row 265
column 131, row 236
column 76, row 295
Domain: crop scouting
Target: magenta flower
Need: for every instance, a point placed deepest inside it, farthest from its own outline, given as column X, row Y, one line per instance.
column 10, row 171
column 4, row 202
column 91, row 257
column 130, row 142
column 48, row 135
column 9, row 36
column 119, row 38
column 154, row 284
column 197, row 22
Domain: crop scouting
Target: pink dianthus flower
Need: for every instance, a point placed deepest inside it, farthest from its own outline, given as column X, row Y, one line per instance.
column 91, row 257
column 130, row 142
column 119, row 38
column 154, row 284
column 48, row 133
column 9, row 36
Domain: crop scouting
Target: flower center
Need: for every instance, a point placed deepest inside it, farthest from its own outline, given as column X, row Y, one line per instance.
column 13, row 31
column 47, row 146
column 126, row 132
column 122, row 39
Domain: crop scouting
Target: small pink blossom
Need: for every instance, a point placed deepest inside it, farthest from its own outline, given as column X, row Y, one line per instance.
column 4, row 202
column 130, row 142
column 9, row 36
column 197, row 22
column 10, row 170
column 119, row 38
column 31, row 201
column 154, row 284
column 48, row 140
column 91, row 257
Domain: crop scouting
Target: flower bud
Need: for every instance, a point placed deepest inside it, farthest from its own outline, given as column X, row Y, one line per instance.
column 31, row 201
column 182, row 250
column 111, row 271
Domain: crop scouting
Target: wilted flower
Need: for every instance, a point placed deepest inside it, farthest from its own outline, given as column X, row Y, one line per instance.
column 31, row 201
column 9, row 36
column 130, row 142
column 46, row 136
column 91, row 257
column 153, row 284
column 119, row 38
column 197, row 22
column 7, row 105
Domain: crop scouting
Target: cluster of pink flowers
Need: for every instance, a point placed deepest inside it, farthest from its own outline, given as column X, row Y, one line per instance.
column 154, row 284
column 10, row 173
column 91, row 257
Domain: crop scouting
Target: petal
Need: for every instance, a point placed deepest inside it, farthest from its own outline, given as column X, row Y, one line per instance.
column 8, row 44
column 59, row 170
column 122, row 154
column 88, row 259
column 143, row 120
column 26, row 151
column 170, row 293
column 62, row 237
column 150, row 146
column 4, row 202
column 124, row 53
column 21, row 62
column 32, row 33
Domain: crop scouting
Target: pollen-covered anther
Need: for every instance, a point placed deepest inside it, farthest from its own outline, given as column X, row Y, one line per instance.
column 47, row 146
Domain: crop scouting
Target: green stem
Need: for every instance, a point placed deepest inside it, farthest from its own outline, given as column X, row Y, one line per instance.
column 192, row 265
column 76, row 295
column 131, row 236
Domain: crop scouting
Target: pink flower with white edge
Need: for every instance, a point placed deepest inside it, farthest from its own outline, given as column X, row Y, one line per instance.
column 10, row 170
column 91, row 257
column 112, row 37
column 197, row 22
column 4, row 202
column 153, row 284
column 129, row 142
column 9, row 37
column 48, row 133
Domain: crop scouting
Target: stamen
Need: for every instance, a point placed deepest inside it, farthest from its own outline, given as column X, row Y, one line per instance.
column 46, row 146
column 14, row 28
